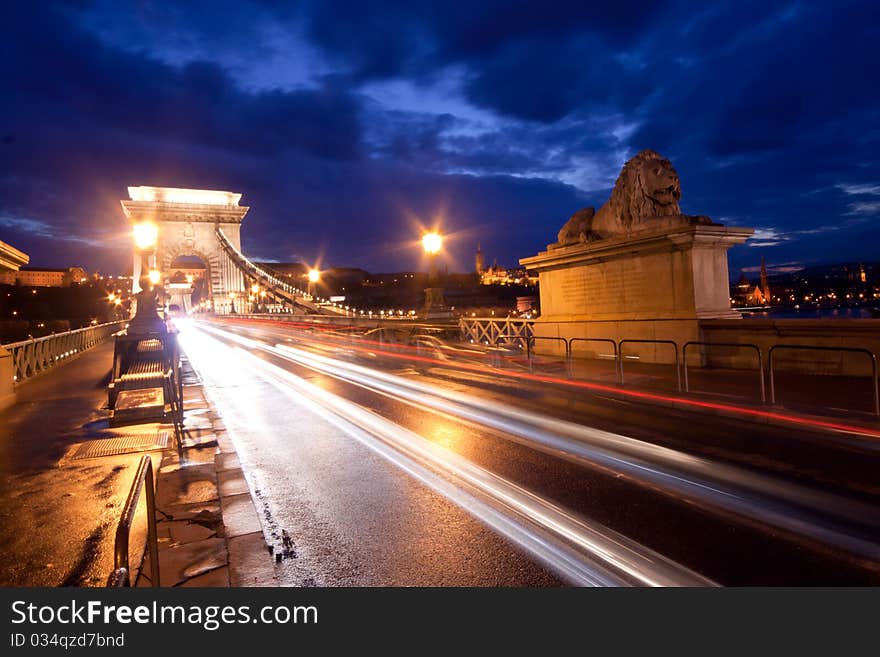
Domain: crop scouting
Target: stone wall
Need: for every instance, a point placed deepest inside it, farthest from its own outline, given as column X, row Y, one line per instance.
column 586, row 337
column 858, row 333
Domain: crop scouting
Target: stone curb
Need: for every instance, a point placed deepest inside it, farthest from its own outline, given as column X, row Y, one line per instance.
column 250, row 563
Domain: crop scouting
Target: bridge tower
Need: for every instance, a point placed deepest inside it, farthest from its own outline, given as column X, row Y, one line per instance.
column 187, row 221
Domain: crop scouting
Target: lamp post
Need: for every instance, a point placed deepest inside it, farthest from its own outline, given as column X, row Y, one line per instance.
column 435, row 304
column 314, row 277
column 232, row 303
column 146, row 318
column 255, row 297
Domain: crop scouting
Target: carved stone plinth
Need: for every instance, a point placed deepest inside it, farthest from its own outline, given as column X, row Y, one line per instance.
column 651, row 284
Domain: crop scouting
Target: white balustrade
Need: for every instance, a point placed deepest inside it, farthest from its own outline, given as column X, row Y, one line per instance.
column 31, row 357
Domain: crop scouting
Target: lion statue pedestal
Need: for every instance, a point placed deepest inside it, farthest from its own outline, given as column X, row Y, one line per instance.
column 638, row 269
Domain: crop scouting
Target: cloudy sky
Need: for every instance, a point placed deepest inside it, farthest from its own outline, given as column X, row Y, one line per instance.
column 349, row 125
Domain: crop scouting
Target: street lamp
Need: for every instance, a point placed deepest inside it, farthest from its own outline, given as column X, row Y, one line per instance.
column 435, row 304
column 146, row 235
column 314, row 277
column 432, row 242
column 232, row 303
column 254, row 297
column 146, row 318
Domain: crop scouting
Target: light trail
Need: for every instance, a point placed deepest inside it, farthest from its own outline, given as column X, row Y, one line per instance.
column 794, row 508
column 582, row 552
column 742, row 411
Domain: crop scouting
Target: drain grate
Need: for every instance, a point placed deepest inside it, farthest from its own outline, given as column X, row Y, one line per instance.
column 124, row 444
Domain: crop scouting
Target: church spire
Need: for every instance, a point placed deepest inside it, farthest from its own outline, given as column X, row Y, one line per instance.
column 765, row 286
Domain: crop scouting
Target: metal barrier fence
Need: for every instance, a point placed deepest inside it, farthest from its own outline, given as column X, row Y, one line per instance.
column 31, row 357
column 566, row 353
column 617, row 373
column 746, row 345
column 487, row 330
column 669, row 342
column 857, row 350
column 143, row 479
column 495, row 332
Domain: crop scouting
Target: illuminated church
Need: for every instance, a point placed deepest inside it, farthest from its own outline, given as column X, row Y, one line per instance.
column 759, row 295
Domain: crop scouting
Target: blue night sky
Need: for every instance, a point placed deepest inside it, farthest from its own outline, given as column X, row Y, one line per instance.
column 349, row 125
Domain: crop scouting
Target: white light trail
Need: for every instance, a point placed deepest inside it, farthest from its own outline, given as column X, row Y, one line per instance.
column 781, row 504
column 582, row 552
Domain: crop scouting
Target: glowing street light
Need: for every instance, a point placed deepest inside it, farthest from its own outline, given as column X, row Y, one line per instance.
column 432, row 243
column 434, row 302
column 146, row 319
column 314, row 276
column 146, row 235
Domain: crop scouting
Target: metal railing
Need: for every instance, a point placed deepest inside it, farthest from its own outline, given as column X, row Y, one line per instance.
column 173, row 389
column 566, row 353
column 487, row 330
column 500, row 332
column 34, row 356
column 857, row 350
column 281, row 288
column 746, row 345
column 633, row 341
column 617, row 373
column 143, row 479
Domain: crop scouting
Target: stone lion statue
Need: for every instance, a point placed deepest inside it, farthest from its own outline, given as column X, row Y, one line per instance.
column 645, row 196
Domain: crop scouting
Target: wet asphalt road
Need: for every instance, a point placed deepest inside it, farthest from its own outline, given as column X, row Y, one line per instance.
column 356, row 518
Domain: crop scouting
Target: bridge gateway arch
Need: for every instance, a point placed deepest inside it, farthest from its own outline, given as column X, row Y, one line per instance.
column 188, row 221
column 206, row 223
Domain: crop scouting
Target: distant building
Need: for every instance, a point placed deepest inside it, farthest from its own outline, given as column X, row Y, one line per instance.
column 765, row 286
column 746, row 295
column 41, row 277
column 496, row 275
column 479, row 262
column 742, row 289
column 526, row 304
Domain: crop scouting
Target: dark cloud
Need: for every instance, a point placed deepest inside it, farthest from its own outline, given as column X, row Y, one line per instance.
column 770, row 112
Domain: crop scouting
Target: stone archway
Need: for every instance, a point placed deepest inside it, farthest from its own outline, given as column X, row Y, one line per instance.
column 187, row 222
column 184, row 277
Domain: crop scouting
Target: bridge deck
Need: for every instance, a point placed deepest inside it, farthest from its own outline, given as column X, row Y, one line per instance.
column 58, row 513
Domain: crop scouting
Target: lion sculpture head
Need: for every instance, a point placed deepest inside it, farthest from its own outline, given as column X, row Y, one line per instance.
column 645, row 195
column 648, row 186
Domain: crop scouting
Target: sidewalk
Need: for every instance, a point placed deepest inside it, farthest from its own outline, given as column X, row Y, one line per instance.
column 58, row 510
column 65, row 475
column 208, row 530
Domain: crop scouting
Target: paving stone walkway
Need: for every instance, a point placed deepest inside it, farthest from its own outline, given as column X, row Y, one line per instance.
column 208, row 530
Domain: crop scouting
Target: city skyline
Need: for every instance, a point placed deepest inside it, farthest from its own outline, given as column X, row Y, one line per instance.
column 501, row 128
